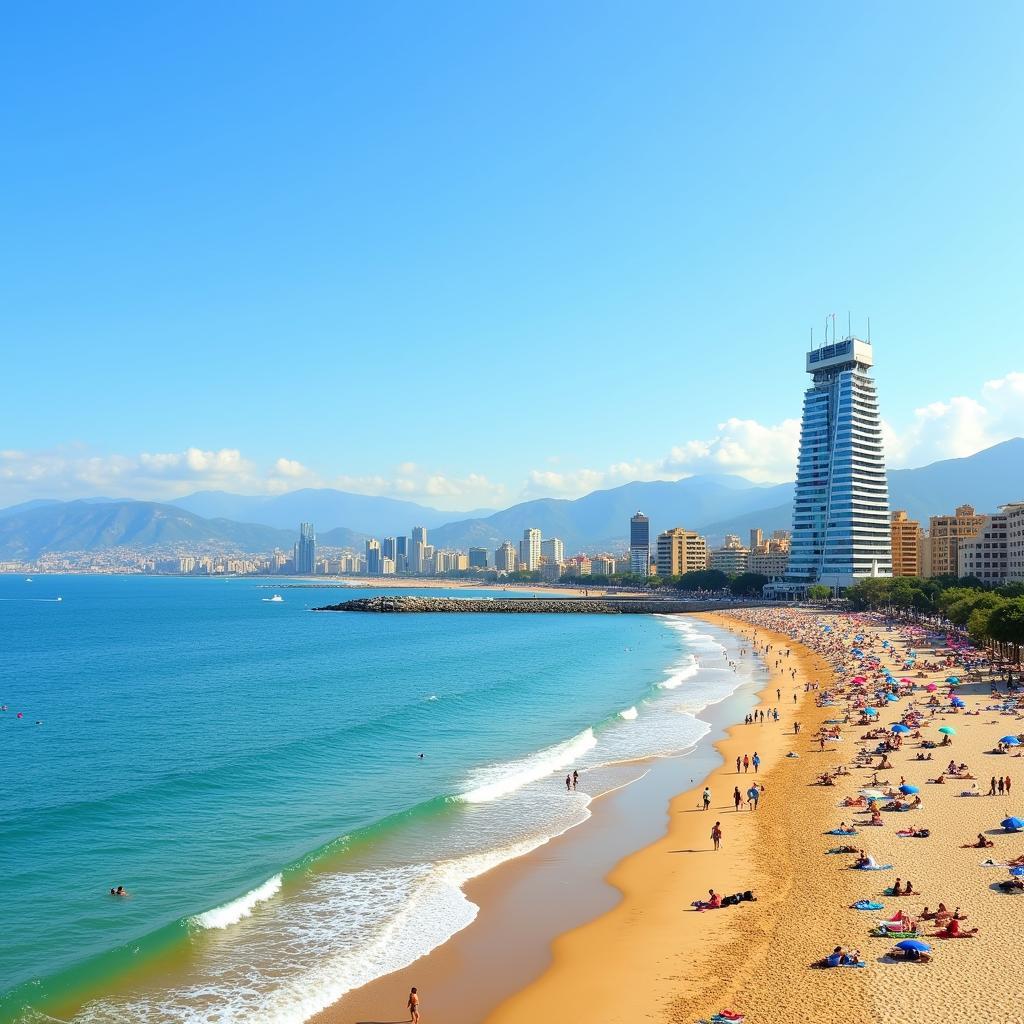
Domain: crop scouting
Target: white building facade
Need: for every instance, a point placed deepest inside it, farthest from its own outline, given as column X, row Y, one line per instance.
column 841, row 530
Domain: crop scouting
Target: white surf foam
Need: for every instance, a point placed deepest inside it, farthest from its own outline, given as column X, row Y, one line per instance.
column 685, row 670
column 233, row 912
column 501, row 779
column 629, row 714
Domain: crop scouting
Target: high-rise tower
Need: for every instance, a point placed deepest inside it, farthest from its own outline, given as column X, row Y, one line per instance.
column 640, row 545
column 305, row 550
column 841, row 508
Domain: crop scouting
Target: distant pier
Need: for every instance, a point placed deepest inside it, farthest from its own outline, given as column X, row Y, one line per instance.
column 535, row 605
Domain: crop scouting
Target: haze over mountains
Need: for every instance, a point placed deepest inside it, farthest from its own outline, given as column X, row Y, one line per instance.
column 712, row 504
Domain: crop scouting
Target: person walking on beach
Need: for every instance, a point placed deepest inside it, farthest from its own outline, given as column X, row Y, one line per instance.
column 413, row 1006
column 737, row 764
column 575, row 778
column 716, row 834
column 737, row 798
column 757, row 761
column 753, row 795
column 1007, row 785
column 707, row 797
column 746, row 763
column 568, row 783
column 1000, row 785
column 992, row 787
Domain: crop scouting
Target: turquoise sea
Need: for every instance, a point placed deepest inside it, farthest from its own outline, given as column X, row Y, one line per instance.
column 250, row 772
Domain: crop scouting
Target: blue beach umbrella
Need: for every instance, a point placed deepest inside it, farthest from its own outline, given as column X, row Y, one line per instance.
column 952, row 679
column 1010, row 741
column 899, row 727
column 1017, row 871
column 921, row 947
column 909, row 789
column 1012, row 824
column 957, row 702
column 871, row 711
column 947, row 729
column 891, row 697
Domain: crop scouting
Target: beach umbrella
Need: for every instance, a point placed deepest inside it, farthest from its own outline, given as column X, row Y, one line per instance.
column 899, row 727
column 948, row 730
column 891, row 697
column 921, row 947
column 1010, row 741
column 909, row 789
column 931, row 687
column 870, row 711
column 957, row 702
column 952, row 679
column 1017, row 871
column 1012, row 824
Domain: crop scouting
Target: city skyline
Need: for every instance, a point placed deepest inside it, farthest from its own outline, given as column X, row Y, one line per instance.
column 599, row 225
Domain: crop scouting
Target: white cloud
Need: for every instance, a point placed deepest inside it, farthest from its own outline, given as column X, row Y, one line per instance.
column 765, row 454
column 961, row 425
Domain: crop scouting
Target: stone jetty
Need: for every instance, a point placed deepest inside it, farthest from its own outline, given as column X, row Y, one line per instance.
column 531, row 605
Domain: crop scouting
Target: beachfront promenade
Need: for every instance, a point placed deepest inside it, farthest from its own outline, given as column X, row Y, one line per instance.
column 536, row 605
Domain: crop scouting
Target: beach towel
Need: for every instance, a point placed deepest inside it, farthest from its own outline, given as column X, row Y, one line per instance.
column 867, row 905
column 874, row 867
column 841, row 832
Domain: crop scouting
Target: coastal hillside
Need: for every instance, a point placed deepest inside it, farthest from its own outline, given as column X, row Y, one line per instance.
column 327, row 507
column 98, row 526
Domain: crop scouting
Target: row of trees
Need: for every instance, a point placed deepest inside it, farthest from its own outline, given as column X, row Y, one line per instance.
column 748, row 584
column 992, row 616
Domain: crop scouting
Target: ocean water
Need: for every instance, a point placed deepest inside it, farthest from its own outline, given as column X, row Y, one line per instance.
column 250, row 772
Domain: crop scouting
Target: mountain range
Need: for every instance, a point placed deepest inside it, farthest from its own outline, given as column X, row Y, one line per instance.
column 712, row 504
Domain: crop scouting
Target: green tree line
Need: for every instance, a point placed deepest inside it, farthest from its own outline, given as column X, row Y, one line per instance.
column 993, row 617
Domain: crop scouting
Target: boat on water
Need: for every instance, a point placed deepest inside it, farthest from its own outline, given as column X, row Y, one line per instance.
column 276, row 599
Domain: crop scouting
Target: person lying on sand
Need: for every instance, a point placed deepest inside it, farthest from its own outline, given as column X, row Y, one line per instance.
column 981, row 843
column 840, row 958
column 954, row 931
column 912, row 955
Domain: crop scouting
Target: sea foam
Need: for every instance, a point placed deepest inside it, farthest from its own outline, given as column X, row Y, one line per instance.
column 231, row 913
column 501, row 779
column 629, row 714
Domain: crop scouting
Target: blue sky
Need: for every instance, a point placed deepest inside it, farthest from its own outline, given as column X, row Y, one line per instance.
column 466, row 253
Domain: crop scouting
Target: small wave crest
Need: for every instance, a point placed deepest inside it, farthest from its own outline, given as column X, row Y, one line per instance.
column 233, row 912
column 685, row 670
column 629, row 714
column 502, row 779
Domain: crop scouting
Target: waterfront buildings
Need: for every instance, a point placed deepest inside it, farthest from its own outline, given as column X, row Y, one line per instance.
column 678, row 551
column 1014, row 541
column 732, row 557
column 640, row 545
column 841, row 504
column 985, row 555
column 478, row 558
column 505, row 558
column 529, row 550
column 374, row 558
column 769, row 557
column 907, row 546
column 305, row 550
column 552, row 550
column 945, row 534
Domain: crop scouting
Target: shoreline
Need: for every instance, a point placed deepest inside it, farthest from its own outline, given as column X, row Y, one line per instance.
column 529, row 905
